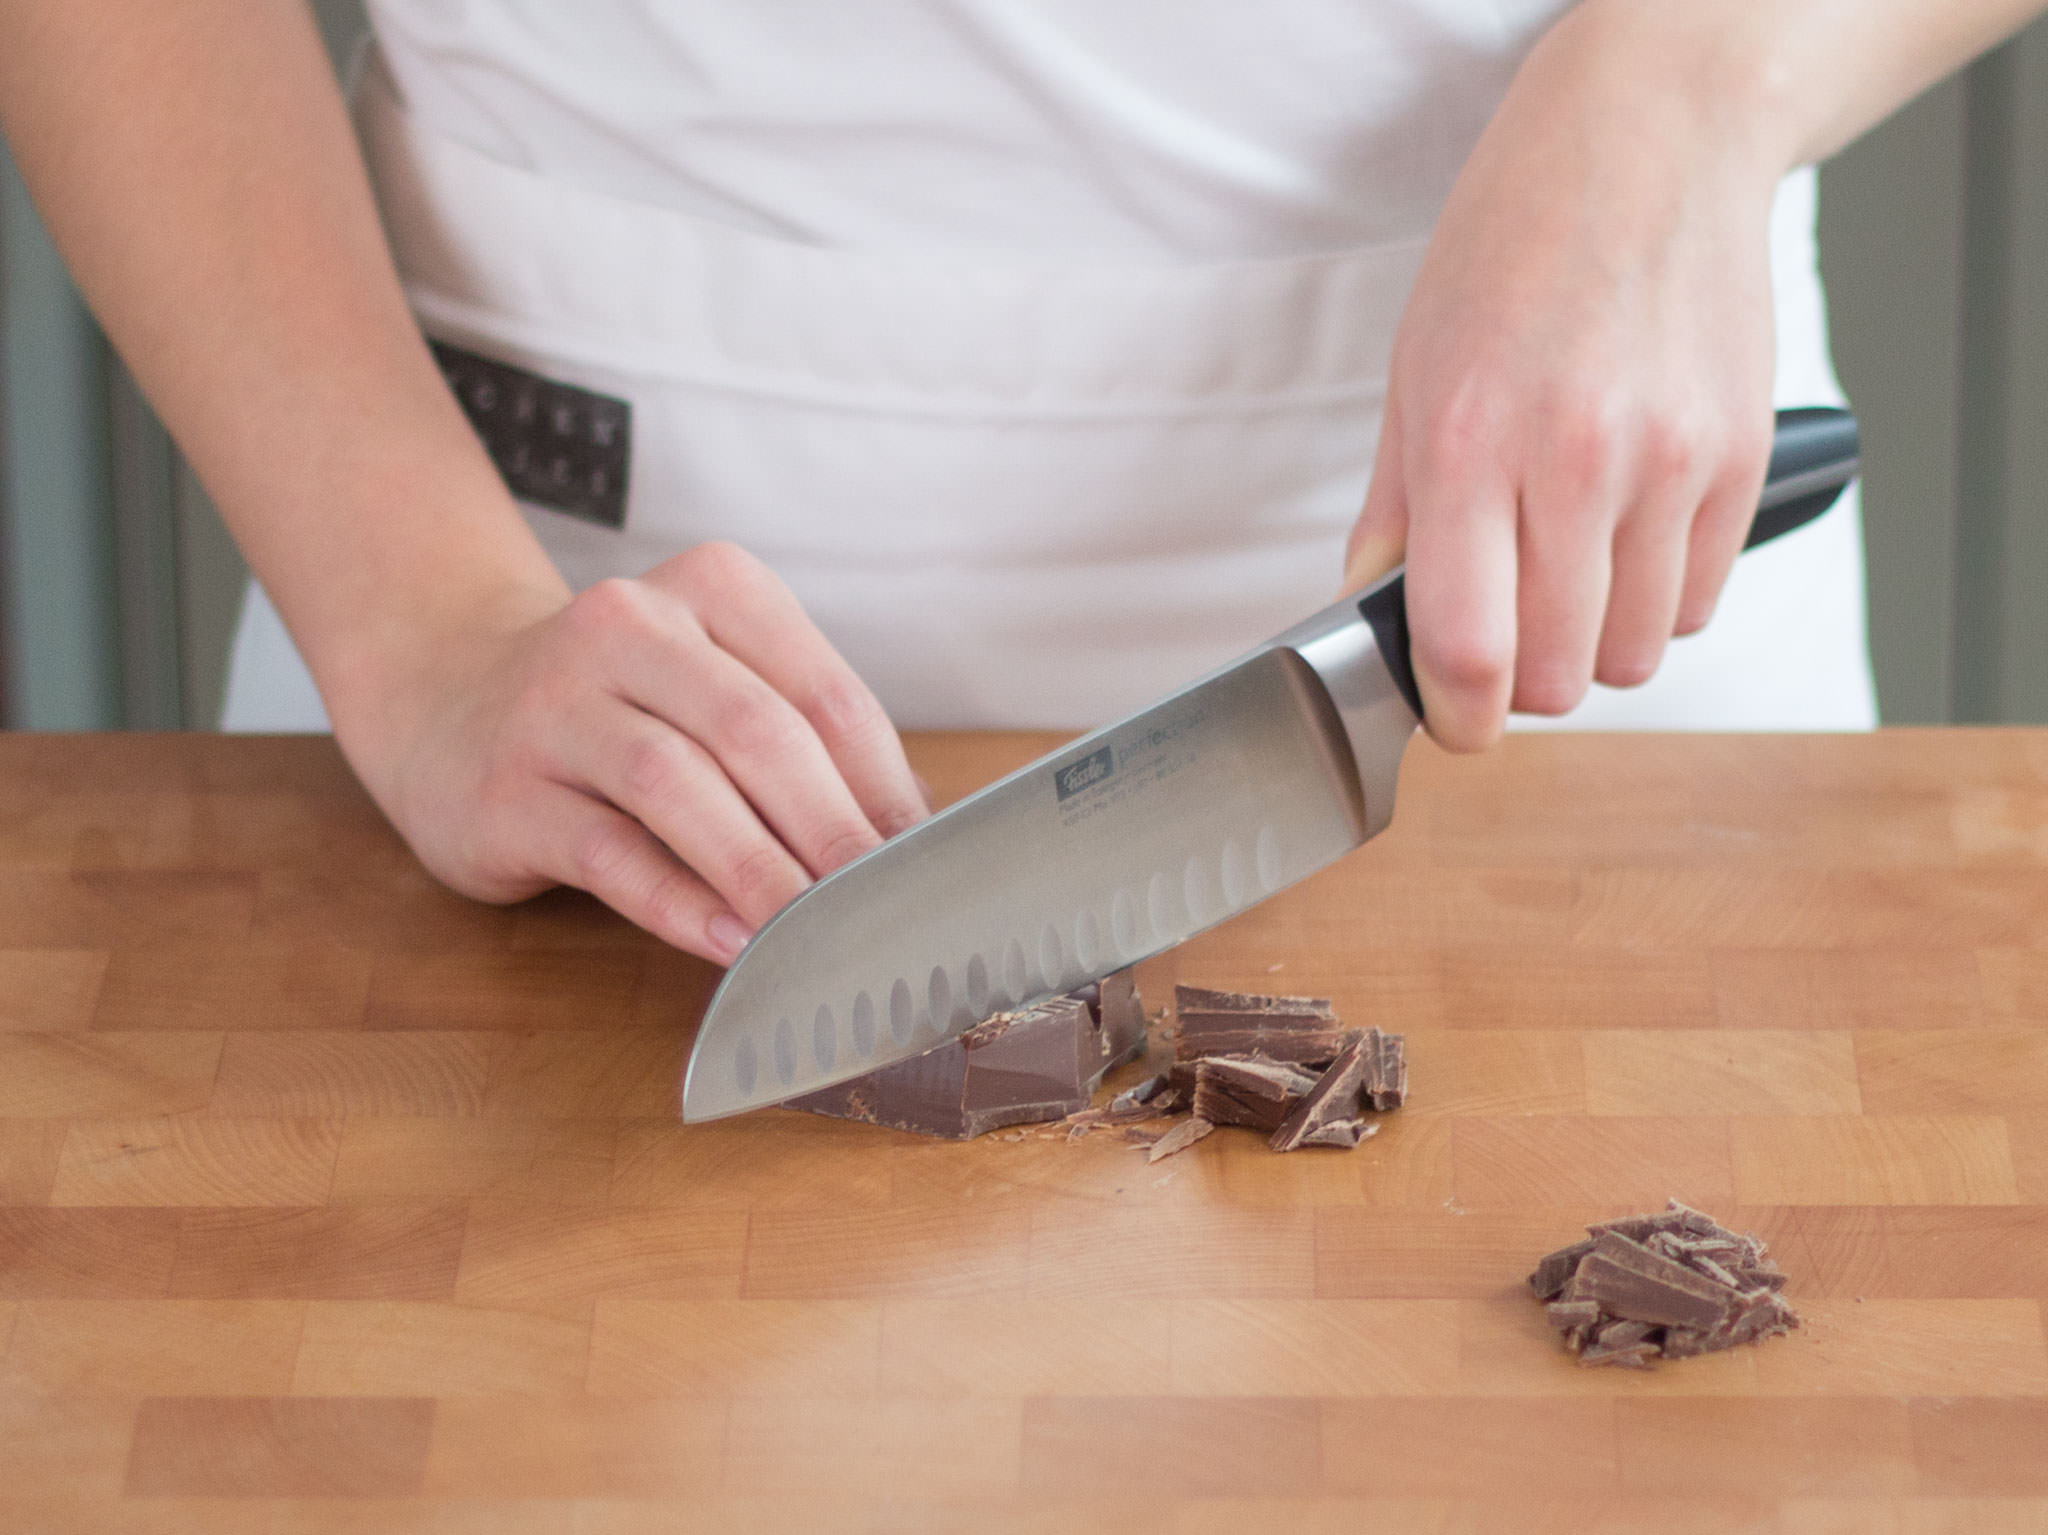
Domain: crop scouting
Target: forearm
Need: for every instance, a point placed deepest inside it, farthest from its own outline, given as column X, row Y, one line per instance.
column 196, row 166
column 1792, row 80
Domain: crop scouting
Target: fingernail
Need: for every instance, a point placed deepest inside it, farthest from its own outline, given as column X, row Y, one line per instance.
column 728, row 936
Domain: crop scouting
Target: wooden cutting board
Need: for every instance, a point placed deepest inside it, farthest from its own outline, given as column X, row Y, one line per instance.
column 333, row 1202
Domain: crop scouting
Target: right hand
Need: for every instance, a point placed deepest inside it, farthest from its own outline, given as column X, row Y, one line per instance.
column 685, row 746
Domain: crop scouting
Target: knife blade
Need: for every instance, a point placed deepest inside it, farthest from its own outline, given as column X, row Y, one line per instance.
column 1119, row 845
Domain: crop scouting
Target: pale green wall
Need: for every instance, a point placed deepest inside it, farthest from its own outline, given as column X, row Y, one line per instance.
column 63, row 670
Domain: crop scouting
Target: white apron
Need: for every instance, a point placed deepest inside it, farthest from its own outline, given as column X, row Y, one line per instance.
column 1013, row 492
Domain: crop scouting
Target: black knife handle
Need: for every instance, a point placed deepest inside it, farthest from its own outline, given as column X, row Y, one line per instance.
column 1814, row 456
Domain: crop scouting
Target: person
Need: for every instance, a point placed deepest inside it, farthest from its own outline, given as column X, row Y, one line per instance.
column 958, row 363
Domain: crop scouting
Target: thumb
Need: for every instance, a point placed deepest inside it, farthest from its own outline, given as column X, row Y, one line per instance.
column 1380, row 536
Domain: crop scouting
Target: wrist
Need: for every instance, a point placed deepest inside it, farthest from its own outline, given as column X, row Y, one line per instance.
column 402, row 619
column 1705, row 82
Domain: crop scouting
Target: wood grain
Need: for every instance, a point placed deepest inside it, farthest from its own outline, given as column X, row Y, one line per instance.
column 331, row 1202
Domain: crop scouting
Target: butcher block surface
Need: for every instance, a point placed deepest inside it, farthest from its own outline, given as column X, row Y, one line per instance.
column 333, row 1202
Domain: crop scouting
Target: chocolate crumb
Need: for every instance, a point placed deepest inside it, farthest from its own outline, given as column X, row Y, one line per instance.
column 1179, row 1138
column 1138, row 1095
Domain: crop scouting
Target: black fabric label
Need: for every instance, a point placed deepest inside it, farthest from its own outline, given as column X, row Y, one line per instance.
column 556, row 445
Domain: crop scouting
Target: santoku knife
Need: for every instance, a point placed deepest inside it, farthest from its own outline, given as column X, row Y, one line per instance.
column 1118, row 845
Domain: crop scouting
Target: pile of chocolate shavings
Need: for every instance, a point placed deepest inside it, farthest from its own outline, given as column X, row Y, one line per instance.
column 1668, row 1285
column 1285, row 1066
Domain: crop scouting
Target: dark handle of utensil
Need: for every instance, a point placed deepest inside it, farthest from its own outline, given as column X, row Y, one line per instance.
column 1814, row 456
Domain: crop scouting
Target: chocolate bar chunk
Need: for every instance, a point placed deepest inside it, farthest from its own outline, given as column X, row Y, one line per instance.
column 1386, row 1070
column 1332, row 1100
column 1672, row 1284
column 1122, row 1017
column 1299, row 1029
column 1037, row 1063
column 1554, row 1270
column 1628, row 1280
column 1567, row 1314
column 1244, row 1090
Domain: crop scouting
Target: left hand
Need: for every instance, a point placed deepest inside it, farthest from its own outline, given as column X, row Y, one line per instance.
column 1578, row 414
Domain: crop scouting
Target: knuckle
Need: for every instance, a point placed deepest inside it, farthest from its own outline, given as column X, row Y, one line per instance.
column 609, row 605
column 758, row 876
column 652, row 768
column 843, row 708
column 720, row 566
column 1463, row 432
column 671, row 904
column 1587, row 440
column 600, row 856
column 1673, row 449
column 1470, row 666
column 754, row 722
column 843, row 845
column 893, row 822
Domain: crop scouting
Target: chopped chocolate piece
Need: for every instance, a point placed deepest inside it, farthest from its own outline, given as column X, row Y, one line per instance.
column 1334, row 1099
column 1575, row 1319
column 1700, row 1263
column 1639, row 1228
column 1688, row 1343
column 1116, row 1112
column 1344, row 1133
column 1037, row 1063
column 1761, row 1276
column 1567, row 1314
column 1179, row 1138
column 1299, row 1029
column 1624, row 1334
column 1122, row 1016
column 1672, row 1283
column 1761, row 1314
column 1236, row 1090
column 1386, row 1072
column 1549, row 1279
column 1631, row 1281
column 1636, row 1356
column 1139, row 1095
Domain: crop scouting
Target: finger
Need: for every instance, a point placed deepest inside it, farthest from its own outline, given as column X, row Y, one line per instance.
column 1461, row 579
column 1718, row 533
column 596, row 848
column 670, row 784
column 1379, row 537
column 751, row 614
column 666, row 665
column 1570, row 505
column 1642, row 602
